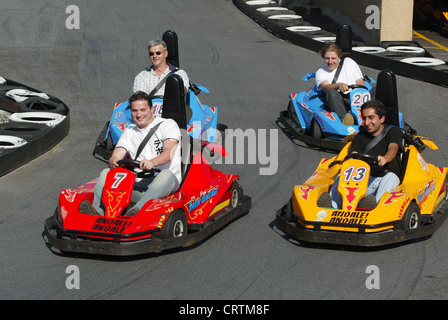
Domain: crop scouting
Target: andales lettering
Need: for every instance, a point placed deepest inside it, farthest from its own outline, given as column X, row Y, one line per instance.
column 111, row 225
column 205, row 196
column 349, row 217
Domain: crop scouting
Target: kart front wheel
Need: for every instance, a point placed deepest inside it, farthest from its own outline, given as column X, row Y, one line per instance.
column 237, row 193
column 411, row 217
column 176, row 226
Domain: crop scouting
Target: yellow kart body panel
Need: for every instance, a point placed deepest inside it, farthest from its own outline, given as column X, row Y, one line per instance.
column 421, row 183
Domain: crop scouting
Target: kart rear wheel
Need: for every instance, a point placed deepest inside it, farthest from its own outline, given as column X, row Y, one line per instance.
column 176, row 226
column 411, row 219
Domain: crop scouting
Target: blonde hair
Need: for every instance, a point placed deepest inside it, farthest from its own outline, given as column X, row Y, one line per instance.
column 331, row 47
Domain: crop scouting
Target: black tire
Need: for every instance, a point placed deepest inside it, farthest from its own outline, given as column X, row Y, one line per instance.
column 26, row 131
column 237, row 193
column 39, row 104
column 411, row 218
column 316, row 131
column 176, row 226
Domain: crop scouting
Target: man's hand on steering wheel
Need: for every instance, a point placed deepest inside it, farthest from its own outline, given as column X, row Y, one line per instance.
column 381, row 161
column 146, row 165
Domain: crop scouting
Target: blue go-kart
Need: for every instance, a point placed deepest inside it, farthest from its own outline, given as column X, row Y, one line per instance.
column 309, row 120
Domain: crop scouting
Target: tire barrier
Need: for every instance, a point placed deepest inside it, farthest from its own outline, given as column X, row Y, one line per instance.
column 20, row 95
column 424, row 61
column 33, row 122
column 389, row 55
column 48, row 118
column 274, row 9
column 369, row 50
column 407, row 50
column 304, row 29
column 11, row 142
column 26, row 131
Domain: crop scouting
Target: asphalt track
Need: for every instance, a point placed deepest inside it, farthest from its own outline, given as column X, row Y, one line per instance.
column 250, row 74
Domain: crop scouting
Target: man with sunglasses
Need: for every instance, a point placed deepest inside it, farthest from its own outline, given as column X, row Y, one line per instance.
column 148, row 79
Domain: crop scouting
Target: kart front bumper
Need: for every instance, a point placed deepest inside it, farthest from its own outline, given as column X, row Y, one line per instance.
column 363, row 239
column 72, row 241
column 299, row 134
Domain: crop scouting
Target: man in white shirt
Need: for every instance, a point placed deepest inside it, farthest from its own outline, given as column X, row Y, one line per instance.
column 148, row 79
column 162, row 151
column 350, row 74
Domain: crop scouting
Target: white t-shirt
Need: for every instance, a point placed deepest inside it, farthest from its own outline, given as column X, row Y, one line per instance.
column 349, row 74
column 168, row 129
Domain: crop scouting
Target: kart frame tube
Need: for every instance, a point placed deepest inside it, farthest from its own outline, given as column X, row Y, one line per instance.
column 299, row 134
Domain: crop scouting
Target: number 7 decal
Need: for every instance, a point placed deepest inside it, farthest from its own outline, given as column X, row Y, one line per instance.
column 118, row 178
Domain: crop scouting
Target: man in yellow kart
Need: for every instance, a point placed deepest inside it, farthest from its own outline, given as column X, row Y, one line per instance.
column 379, row 140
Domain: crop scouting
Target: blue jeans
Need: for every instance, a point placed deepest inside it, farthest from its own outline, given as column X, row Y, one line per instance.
column 154, row 187
column 377, row 186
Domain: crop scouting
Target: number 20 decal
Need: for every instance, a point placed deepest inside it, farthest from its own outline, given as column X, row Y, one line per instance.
column 360, row 98
column 356, row 174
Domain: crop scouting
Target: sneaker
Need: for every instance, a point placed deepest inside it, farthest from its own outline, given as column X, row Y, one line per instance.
column 87, row 208
column 132, row 212
column 368, row 202
column 324, row 200
column 348, row 120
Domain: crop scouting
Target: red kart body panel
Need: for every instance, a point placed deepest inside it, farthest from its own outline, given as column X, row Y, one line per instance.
column 205, row 195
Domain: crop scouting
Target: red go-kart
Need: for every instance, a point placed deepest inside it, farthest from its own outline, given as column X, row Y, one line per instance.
column 206, row 201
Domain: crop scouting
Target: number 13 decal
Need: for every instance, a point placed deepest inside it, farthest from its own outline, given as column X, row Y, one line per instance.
column 357, row 174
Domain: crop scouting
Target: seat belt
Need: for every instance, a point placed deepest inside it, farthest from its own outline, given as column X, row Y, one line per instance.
column 338, row 71
column 145, row 141
column 375, row 140
column 161, row 83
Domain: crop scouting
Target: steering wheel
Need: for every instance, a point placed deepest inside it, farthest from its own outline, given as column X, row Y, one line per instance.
column 131, row 164
column 368, row 158
column 357, row 86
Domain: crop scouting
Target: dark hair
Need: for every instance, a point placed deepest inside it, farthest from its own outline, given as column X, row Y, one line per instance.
column 140, row 95
column 331, row 47
column 380, row 108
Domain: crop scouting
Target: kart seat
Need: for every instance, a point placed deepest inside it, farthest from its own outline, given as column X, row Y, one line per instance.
column 185, row 153
column 174, row 101
column 170, row 38
column 174, row 108
column 386, row 92
column 344, row 39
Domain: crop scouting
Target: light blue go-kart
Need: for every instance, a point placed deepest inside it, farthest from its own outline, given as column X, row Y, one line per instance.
column 309, row 120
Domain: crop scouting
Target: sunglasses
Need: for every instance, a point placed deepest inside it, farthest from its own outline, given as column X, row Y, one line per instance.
column 157, row 53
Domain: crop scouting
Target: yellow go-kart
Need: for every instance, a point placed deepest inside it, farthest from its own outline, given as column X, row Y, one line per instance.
column 415, row 209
